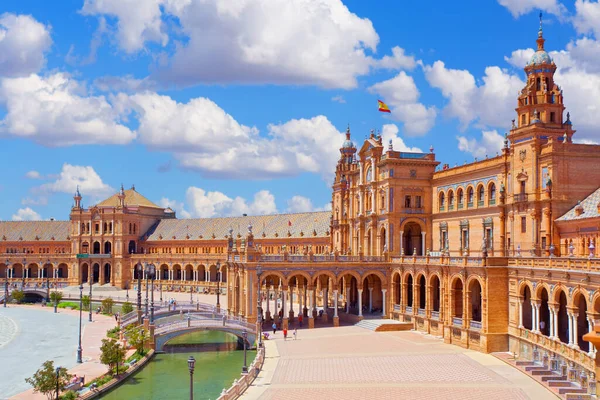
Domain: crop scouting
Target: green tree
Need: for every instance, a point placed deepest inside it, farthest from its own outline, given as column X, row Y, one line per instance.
column 107, row 305
column 45, row 379
column 18, row 295
column 56, row 297
column 85, row 301
column 126, row 308
column 112, row 354
column 137, row 336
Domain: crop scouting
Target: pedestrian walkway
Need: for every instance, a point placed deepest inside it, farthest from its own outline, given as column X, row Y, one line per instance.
column 354, row 363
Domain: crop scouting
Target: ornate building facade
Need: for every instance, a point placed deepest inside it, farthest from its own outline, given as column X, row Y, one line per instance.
column 495, row 255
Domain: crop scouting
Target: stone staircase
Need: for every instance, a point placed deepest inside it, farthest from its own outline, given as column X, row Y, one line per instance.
column 557, row 382
column 384, row 325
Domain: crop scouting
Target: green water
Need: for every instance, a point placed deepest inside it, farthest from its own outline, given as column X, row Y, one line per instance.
column 167, row 375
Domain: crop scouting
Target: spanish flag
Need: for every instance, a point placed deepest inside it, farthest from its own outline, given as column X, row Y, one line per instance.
column 383, row 107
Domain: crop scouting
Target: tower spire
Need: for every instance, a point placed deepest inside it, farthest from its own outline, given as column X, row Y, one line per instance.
column 540, row 40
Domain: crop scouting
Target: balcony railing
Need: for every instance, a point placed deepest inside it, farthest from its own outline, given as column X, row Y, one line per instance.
column 442, row 208
column 475, row 325
column 451, row 207
column 409, row 310
column 520, row 197
column 480, row 203
column 457, row 322
column 413, row 210
column 397, row 307
column 421, row 312
column 470, row 204
column 492, row 202
column 461, row 206
column 435, row 315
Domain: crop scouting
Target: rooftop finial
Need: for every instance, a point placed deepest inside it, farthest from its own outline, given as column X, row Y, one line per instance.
column 348, row 132
column 540, row 31
column 77, row 194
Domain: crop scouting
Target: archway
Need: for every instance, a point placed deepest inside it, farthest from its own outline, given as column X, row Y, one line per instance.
column 131, row 247
column 96, row 273
column 271, row 289
column 212, row 273
column 47, row 271
column 563, row 318
column 582, row 325
column 17, row 271
column 62, row 271
column 412, row 239
column 32, row 271
column 409, row 290
column 435, row 293
column 422, row 293
column 96, row 247
column 202, row 273
column 84, row 273
column 544, row 313
column 383, row 242
column 475, row 300
column 107, row 247
column 85, row 248
column 107, row 273
column 457, row 298
column 164, row 272
column 396, row 280
column 177, row 272
column 526, row 308
column 373, row 296
column 189, row 273
column 349, row 286
column 3, row 271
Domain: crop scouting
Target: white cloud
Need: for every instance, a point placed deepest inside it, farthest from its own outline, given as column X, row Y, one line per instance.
column 397, row 61
column 33, row 175
column 587, row 17
column 489, row 104
column 40, row 201
column 175, row 205
column 390, row 132
column 56, row 111
column 139, row 21
column 72, row 176
column 402, row 95
column 26, row 214
column 338, row 99
column 316, row 42
column 205, row 204
column 521, row 7
column 299, row 204
column 490, row 143
column 23, row 44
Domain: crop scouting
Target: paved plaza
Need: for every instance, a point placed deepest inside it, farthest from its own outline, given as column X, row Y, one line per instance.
column 35, row 334
column 355, row 363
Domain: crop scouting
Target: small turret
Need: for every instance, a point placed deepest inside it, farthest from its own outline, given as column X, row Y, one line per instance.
column 77, row 198
column 121, row 197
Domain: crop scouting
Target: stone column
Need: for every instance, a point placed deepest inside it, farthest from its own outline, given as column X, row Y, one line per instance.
column 555, row 321
column 285, row 318
column 533, row 319
column 401, row 243
column 299, row 301
column 551, row 322
column 575, row 328
column 537, row 317
column 423, row 235
column 383, row 308
column 347, row 289
column 268, row 311
column 592, row 350
column 360, row 315
column 570, row 319
column 305, row 310
column 336, row 318
column 521, row 313
column 370, row 299
column 311, row 319
column 291, row 312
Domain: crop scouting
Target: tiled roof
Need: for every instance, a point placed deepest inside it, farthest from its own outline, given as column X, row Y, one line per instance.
column 269, row 224
column 15, row 231
column 590, row 208
column 132, row 198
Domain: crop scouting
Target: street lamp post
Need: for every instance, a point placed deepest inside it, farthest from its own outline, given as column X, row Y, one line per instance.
column 191, row 363
column 91, row 281
column 57, row 380
column 245, row 367
column 146, row 269
column 79, row 350
column 47, row 283
column 6, row 284
column 150, row 273
column 139, row 292
column 259, row 307
column 218, row 285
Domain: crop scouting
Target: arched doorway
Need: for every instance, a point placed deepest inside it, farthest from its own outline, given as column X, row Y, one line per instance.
column 383, row 241
column 96, row 273
column 107, row 248
column 457, row 298
column 582, row 325
column 397, row 289
column 212, row 276
column 189, row 272
column 435, row 293
column 422, row 293
column 349, row 286
column 84, row 273
column 107, row 273
column 412, row 239
column 62, row 271
column 409, row 290
column 202, row 273
column 177, row 272
column 373, row 296
column 475, row 300
column 563, row 319
column 3, row 271
column 96, row 249
column 544, row 314
column 526, row 308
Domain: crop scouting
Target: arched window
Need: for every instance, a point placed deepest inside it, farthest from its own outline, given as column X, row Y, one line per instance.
column 450, row 200
column 442, row 201
column 470, row 197
column 492, row 194
column 480, row 195
column 460, row 197
column 369, row 174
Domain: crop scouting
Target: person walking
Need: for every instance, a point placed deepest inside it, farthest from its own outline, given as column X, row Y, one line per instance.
column 274, row 327
column 295, row 333
column 284, row 333
column 300, row 320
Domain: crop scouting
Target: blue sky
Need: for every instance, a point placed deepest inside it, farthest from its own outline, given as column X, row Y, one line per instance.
column 215, row 107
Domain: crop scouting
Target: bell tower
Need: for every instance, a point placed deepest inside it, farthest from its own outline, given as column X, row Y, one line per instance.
column 540, row 105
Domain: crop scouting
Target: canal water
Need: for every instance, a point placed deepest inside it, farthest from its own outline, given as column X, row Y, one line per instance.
column 218, row 364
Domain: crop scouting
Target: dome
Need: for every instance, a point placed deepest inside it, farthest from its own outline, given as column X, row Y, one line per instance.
column 347, row 144
column 540, row 57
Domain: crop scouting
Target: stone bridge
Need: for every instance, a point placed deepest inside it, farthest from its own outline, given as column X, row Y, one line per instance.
column 204, row 321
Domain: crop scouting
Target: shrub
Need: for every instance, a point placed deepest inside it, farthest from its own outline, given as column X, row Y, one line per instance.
column 56, row 297
column 126, row 308
column 45, row 380
column 86, row 302
column 18, row 295
column 112, row 355
column 113, row 333
column 70, row 395
column 107, row 305
column 69, row 304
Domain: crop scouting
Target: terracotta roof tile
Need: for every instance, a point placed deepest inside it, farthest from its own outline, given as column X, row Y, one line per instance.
column 16, row 231
column 132, row 198
column 590, row 208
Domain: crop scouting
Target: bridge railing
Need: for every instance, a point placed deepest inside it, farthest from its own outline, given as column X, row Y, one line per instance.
column 160, row 310
column 203, row 322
